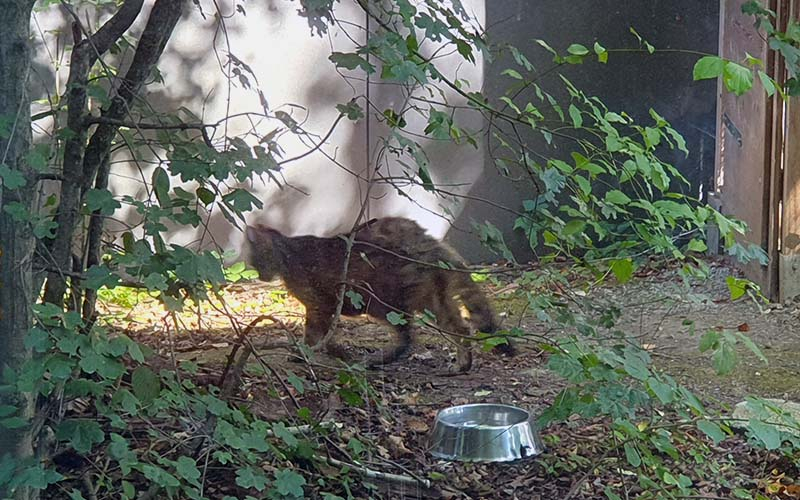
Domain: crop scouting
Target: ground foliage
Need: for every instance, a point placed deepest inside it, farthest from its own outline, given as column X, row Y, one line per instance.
column 118, row 421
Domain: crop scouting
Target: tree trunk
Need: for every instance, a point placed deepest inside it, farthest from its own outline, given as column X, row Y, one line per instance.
column 16, row 238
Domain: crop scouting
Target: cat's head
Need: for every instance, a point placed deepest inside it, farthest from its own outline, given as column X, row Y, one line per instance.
column 263, row 256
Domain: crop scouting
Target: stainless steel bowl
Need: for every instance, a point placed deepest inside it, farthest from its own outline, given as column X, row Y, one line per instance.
column 484, row 433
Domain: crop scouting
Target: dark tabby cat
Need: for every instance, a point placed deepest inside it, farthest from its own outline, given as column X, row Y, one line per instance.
column 394, row 265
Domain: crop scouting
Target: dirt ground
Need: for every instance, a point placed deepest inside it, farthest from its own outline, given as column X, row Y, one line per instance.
column 668, row 320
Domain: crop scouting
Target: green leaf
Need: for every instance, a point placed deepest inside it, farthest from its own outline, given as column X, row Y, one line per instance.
column 767, row 433
column 395, row 318
column 351, row 61
column 617, row 197
column 287, row 437
column 355, row 298
column 160, row 180
column 186, row 468
column 101, row 201
column 711, row 430
column 98, row 277
column 205, row 195
column 632, row 455
column 635, row 363
column 737, row 287
column 37, row 340
column 738, row 79
column 289, row 483
column 12, row 179
column 663, row 391
column 242, row 200
column 577, row 49
column 575, row 114
column 767, row 82
column 574, row 226
column 748, row 342
column 297, row 382
column 709, row 340
column 512, row 73
column 602, row 53
column 146, row 384
column 155, row 281
column 708, row 67
column 697, row 245
column 725, row 358
column 81, row 434
column 622, row 269
column 160, row 476
column 352, row 110
column 251, row 477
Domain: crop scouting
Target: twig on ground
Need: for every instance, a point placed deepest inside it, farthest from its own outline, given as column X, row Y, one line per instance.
column 374, row 474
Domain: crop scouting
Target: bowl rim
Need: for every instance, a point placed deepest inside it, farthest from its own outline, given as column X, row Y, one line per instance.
column 439, row 421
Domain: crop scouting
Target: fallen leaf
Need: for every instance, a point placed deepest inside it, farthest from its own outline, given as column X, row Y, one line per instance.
column 417, row 425
column 744, row 327
column 397, row 446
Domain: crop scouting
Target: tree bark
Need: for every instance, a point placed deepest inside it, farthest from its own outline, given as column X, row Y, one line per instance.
column 16, row 238
column 85, row 160
column 84, row 54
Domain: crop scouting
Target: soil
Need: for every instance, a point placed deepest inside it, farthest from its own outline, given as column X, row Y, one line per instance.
column 668, row 319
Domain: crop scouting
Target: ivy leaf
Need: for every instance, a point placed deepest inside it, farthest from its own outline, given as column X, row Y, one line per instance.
column 12, row 179
column 155, row 281
column 394, row 318
column 37, row 340
column 351, row 110
column 81, row 434
column 355, row 298
column 101, row 201
column 98, row 277
column 251, row 477
column 146, row 384
column 351, row 61
column 186, row 468
column 287, row 437
column 242, row 200
column 289, row 483
column 160, row 476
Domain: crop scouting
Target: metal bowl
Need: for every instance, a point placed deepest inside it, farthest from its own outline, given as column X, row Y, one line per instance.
column 484, row 433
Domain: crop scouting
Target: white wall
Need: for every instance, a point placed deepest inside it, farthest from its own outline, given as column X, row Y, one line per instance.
column 295, row 75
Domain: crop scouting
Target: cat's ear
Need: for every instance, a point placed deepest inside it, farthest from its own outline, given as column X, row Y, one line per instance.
column 257, row 234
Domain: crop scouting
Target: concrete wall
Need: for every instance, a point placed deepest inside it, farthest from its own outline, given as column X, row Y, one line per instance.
column 288, row 55
column 630, row 82
column 289, row 58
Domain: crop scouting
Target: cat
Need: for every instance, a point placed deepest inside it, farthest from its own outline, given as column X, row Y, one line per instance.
column 394, row 265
